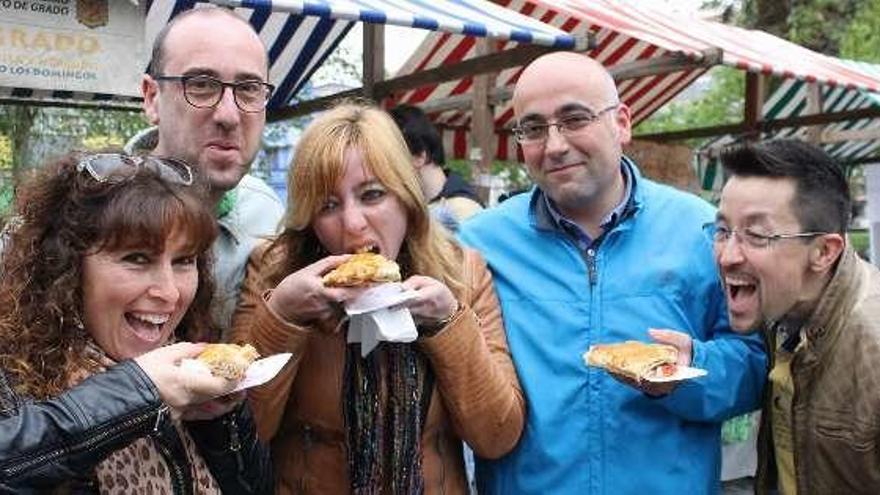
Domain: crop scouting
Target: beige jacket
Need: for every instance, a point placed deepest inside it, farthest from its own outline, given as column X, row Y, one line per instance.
column 476, row 396
column 836, row 405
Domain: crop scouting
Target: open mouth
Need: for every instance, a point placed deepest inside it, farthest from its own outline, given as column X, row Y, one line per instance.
column 742, row 294
column 147, row 326
column 367, row 248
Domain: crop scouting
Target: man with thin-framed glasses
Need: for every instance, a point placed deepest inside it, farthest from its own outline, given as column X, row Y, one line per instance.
column 206, row 92
column 791, row 274
column 598, row 254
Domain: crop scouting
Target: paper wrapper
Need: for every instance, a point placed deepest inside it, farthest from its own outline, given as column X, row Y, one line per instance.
column 374, row 317
column 258, row 373
column 681, row 373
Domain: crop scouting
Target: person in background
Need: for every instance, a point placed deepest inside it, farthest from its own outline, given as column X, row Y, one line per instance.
column 790, row 274
column 598, row 254
column 452, row 200
column 206, row 93
column 391, row 422
column 108, row 262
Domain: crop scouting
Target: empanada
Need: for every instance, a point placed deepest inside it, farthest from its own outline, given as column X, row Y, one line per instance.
column 228, row 360
column 363, row 269
column 633, row 359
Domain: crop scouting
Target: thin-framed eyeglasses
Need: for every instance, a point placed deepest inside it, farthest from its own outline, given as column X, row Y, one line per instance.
column 251, row 96
column 568, row 125
column 720, row 234
column 115, row 167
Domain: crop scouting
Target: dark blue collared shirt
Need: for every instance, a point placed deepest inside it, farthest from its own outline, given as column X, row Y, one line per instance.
column 572, row 229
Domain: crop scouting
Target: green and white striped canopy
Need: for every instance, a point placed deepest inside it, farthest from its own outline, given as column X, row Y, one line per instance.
column 790, row 100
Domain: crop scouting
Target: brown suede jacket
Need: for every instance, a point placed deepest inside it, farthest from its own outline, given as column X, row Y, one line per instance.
column 836, row 405
column 476, row 396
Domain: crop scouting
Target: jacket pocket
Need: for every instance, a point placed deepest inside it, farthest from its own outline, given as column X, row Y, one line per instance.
column 858, row 436
column 842, row 456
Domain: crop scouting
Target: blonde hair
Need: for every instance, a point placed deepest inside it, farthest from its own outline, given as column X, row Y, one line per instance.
column 319, row 164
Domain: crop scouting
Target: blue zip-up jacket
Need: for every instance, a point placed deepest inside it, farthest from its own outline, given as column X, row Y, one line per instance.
column 587, row 433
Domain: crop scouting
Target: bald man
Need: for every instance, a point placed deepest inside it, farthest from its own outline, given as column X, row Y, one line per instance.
column 597, row 254
column 206, row 92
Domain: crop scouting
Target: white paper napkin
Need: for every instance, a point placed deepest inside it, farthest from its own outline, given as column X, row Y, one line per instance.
column 263, row 370
column 374, row 317
column 681, row 373
column 258, row 373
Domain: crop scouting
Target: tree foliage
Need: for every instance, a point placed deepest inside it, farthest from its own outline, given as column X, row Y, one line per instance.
column 721, row 103
column 844, row 28
column 861, row 38
column 34, row 133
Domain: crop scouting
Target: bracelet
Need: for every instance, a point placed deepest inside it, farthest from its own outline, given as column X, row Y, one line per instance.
column 433, row 328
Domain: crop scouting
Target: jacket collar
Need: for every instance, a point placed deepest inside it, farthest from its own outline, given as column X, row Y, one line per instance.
column 542, row 218
column 824, row 326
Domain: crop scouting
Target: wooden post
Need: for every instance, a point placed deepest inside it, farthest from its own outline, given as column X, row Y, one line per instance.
column 374, row 59
column 814, row 107
column 756, row 88
column 482, row 126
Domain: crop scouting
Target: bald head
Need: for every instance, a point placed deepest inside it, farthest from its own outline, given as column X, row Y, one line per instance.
column 567, row 70
column 187, row 19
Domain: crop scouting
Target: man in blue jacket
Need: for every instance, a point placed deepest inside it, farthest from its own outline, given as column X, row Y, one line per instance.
column 595, row 254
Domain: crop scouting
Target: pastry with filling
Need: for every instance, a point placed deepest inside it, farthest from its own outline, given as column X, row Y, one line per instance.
column 228, row 360
column 634, row 360
column 363, row 269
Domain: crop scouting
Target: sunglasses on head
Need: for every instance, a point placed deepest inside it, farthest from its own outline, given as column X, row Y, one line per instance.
column 110, row 167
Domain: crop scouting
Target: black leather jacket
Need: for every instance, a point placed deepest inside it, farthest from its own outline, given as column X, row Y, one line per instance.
column 56, row 444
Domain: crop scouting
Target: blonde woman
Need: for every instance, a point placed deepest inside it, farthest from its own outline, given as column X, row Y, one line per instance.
column 392, row 422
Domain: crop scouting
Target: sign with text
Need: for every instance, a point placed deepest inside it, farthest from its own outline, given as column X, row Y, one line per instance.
column 94, row 46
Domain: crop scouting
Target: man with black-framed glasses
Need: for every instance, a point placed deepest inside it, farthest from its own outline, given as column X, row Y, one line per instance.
column 206, row 92
column 598, row 254
column 790, row 273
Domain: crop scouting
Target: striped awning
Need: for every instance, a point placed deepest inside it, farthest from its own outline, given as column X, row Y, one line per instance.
column 300, row 35
column 850, row 141
column 628, row 34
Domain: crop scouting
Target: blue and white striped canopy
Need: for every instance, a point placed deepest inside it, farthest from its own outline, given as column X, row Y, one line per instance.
column 300, row 35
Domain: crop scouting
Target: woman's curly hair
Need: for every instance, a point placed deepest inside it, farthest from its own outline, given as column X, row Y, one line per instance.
column 63, row 214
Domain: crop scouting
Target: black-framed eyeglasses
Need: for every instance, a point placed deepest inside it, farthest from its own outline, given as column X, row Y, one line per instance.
column 115, row 167
column 251, row 96
column 569, row 125
column 720, row 234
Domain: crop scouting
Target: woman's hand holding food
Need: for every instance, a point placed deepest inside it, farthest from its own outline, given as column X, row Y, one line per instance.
column 302, row 298
column 213, row 408
column 433, row 302
column 178, row 386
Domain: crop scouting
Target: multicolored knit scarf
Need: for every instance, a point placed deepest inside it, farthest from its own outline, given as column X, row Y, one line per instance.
column 386, row 396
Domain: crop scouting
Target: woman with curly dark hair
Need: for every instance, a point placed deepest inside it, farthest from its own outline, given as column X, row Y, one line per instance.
column 105, row 262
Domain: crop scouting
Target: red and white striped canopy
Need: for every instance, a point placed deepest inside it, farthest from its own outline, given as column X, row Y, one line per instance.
column 625, row 32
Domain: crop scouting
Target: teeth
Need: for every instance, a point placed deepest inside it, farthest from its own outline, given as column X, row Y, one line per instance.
column 737, row 281
column 152, row 318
